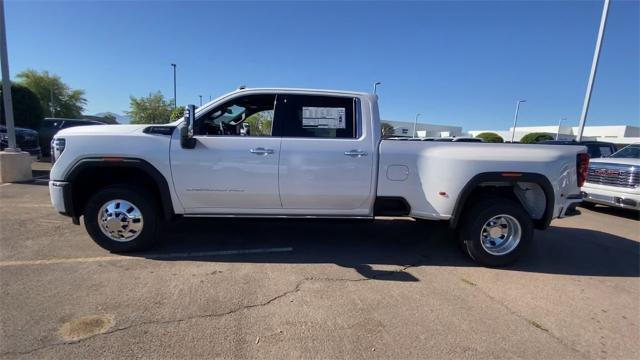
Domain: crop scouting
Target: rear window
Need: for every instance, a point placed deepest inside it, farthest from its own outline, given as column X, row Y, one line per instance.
column 310, row 116
column 598, row 150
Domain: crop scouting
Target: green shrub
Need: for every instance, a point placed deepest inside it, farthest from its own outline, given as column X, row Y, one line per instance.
column 536, row 137
column 490, row 137
column 177, row 113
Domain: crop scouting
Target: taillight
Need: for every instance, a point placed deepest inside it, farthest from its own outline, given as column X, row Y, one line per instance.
column 583, row 168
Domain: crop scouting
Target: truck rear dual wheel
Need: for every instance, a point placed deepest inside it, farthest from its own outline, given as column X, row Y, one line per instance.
column 495, row 231
column 122, row 218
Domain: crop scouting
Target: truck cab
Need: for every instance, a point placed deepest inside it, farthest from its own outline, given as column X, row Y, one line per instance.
column 302, row 153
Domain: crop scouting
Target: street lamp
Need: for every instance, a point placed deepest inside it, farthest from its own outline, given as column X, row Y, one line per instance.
column 200, row 99
column 375, row 86
column 515, row 119
column 415, row 123
column 560, row 124
column 175, row 103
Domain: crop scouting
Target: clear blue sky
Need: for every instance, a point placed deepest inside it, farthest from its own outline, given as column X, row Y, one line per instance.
column 457, row 63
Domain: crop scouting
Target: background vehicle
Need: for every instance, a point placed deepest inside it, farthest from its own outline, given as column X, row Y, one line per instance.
column 460, row 139
column 595, row 149
column 311, row 153
column 26, row 140
column 50, row 126
column 615, row 181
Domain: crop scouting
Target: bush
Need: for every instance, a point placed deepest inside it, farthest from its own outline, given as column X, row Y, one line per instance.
column 177, row 113
column 536, row 137
column 490, row 137
column 27, row 110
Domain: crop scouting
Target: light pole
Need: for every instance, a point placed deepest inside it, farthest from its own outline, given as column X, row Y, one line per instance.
column 175, row 102
column 375, row 86
column 200, row 99
column 515, row 119
column 6, row 85
column 594, row 69
column 415, row 123
column 560, row 124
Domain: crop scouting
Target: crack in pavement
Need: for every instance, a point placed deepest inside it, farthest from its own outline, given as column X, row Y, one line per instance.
column 295, row 289
column 527, row 320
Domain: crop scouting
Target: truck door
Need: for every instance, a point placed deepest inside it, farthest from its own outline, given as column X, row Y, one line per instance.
column 234, row 165
column 326, row 161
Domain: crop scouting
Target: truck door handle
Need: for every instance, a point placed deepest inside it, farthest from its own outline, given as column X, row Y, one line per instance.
column 355, row 153
column 261, row 151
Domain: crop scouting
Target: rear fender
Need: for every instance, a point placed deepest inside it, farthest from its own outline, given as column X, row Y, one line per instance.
column 526, row 187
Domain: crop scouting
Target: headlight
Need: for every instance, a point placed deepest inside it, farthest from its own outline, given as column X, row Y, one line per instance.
column 57, row 147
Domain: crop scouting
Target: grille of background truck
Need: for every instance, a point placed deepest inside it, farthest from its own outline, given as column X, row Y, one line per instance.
column 614, row 175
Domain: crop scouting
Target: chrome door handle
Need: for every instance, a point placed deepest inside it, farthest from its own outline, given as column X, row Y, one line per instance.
column 355, row 153
column 261, row 151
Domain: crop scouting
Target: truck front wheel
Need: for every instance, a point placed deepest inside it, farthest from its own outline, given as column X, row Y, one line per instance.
column 495, row 231
column 121, row 218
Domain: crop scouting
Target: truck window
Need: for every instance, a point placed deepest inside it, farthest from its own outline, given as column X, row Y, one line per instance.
column 311, row 116
column 605, row 151
column 250, row 115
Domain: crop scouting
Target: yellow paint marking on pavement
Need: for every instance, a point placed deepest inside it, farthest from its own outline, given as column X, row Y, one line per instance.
column 173, row 256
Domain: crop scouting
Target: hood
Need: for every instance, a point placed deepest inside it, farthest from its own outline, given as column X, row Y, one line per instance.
column 619, row 161
column 100, row 130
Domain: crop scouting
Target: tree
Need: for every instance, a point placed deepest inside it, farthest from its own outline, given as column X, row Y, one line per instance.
column 387, row 130
column 177, row 113
column 535, row 137
column 153, row 109
column 490, row 137
column 54, row 94
column 111, row 117
column 260, row 123
column 27, row 111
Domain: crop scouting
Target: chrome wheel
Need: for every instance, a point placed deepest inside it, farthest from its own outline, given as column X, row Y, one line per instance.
column 120, row 220
column 500, row 235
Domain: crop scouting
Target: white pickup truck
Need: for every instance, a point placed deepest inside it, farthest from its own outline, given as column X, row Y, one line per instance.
column 310, row 154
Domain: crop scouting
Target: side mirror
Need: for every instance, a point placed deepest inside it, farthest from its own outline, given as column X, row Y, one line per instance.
column 186, row 132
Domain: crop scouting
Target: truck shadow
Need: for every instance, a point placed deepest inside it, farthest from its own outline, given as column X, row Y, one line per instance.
column 609, row 210
column 381, row 249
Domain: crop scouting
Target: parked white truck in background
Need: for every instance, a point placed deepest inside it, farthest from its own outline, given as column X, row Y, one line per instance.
column 306, row 153
column 615, row 180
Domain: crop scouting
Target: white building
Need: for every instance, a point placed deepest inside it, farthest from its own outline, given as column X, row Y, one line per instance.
column 405, row 128
column 618, row 134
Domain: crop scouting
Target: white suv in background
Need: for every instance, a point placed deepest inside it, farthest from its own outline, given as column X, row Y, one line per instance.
column 615, row 181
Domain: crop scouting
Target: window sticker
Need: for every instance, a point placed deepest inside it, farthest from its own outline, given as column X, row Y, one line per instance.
column 323, row 117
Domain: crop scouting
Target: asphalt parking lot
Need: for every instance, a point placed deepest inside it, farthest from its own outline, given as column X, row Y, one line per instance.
column 393, row 288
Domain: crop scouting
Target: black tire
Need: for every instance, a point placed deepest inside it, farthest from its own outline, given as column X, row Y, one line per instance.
column 474, row 219
column 137, row 196
column 587, row 205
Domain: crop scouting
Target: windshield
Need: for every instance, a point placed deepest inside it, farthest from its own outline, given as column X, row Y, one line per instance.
column 629, row 152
